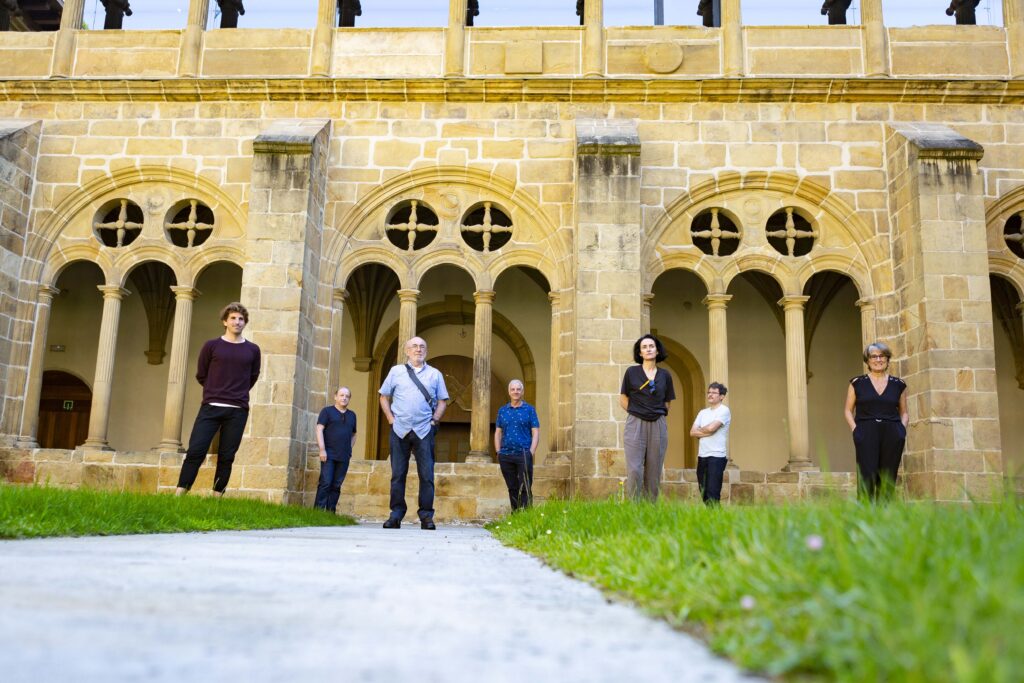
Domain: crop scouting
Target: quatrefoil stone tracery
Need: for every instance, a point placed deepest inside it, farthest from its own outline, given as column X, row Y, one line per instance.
column 120, row 226
column 791, row 233
column 488, row 228
column 412, row 226
column 1015, row 240
column 715, row 232
column 191, row 225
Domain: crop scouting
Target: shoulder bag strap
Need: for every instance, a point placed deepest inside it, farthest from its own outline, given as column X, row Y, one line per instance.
column 419, row 385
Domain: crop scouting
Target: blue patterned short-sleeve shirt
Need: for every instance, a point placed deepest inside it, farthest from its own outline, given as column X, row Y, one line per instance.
column 516, row 425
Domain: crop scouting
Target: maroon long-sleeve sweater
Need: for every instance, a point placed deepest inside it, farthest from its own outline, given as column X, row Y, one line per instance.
column 228, row 371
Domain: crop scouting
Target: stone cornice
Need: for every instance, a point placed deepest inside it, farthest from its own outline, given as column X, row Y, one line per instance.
column 738, row 90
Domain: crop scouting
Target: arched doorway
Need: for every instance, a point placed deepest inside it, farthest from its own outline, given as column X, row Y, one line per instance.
column 64, row 407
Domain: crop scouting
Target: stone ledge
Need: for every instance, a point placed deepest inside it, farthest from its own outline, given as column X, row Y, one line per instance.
column 289, row 137
column 936, row 141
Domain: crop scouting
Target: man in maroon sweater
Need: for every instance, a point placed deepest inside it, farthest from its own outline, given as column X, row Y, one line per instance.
column 228, row 368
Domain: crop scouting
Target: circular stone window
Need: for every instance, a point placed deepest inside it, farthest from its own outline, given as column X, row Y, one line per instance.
column 789, row 233
column 411, row 225
column 486, row 228
column 118, row 223
column 190, row 224
column 1013, row 234
column 715, row 233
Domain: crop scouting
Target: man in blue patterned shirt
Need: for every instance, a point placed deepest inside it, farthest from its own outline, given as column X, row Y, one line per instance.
column 516, row 435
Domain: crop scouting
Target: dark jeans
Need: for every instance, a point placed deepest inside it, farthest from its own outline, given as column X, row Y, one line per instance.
column 879, row 448
column 710, row 472
column 518, row 473
column 332, row 476
column 401, row 449
column 211, row 419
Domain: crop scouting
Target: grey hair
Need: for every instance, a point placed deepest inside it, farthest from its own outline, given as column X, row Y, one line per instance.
column 882, row 349
column 519, row 382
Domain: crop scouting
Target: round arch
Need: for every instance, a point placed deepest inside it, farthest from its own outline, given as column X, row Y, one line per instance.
column 75, row 254
column 129, row 261
column 372, row 255
column 689, row 372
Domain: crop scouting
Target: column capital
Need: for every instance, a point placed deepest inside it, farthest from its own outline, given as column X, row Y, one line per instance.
column 338, row 296
column 865, row 302
column 716, row 301
column 554, row 298
column 408, row 295
column 185, row 293
column 793, row 301
column 113, row 291
column 483, row 296
column 46, row 293
column 647, row 298
column 1020, row 308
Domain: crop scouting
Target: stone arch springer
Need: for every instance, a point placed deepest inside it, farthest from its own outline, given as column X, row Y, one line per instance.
column 996, row 215
column 822, row 204
column 450, row 190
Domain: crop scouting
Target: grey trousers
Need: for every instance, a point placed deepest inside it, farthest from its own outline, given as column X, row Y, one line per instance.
column 646, row 443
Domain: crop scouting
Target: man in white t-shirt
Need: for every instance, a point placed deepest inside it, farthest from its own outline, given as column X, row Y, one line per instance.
column 712, row 428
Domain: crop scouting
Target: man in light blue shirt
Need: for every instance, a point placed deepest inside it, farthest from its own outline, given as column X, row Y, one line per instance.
column 413, row 398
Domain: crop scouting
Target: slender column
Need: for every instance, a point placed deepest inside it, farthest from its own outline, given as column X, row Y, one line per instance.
column 34, row 387
column 796, row 384
column 480, row 423
column 337, row 320
column 64, row 43
column 867, row 321
column 192, row 38
column 406, row 318
column 455, row 40
column 99, row 418
column 876, row 47
column 323, row 39
column 645, row 312
column 1013, row 20
column 732, row 39
column 554, row 375
column 174, row 407
column 718, row 337
column 593, row 39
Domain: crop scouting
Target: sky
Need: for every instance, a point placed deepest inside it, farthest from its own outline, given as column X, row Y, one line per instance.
column 151, row 14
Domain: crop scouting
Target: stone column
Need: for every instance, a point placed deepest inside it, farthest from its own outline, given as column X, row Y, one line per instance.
column 455, row 40
column 796, row 384
column 732, row 39
column 941, row 324
column 338, row 297
column 407, row 299
column 645, row 312
column 593, row 39
column 177, row 371
column 718, row 337
column 876, row 41
column 323, row 39
column 64, row 43
column 99, row 418
column 553, row 377
column 867, row 321
column 480, row 424
column 34, row 386
column 192, row 38
column 1013, row 20
column 607, row 306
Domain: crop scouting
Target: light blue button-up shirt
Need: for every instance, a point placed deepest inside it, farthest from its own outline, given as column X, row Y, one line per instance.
column 411, row 410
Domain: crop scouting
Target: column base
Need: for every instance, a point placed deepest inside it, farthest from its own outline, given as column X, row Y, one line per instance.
column 26, row 442
column 95, row 446
column 800, row 466
column 168, row 447
column 479, row 456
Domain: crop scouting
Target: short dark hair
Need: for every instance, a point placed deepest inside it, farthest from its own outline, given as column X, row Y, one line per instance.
column 657, row 345
column 234, row 307
column 722, row 391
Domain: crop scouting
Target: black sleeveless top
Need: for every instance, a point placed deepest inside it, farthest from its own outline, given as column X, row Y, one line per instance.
column 871, row 405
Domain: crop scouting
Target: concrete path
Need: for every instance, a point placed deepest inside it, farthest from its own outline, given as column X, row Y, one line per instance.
column 320, row 604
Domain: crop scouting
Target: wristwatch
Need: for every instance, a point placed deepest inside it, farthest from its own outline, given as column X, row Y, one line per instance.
column 435, row 422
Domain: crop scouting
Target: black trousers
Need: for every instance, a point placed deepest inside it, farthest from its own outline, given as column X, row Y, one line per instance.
column 879, row 452
column 710, row 472
column 230, row 422
column 518, row 473
column 401, row 449
column 332, row 476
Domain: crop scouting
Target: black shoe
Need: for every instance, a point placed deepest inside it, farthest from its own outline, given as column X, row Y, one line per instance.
column 392, row 524
column 428, row 524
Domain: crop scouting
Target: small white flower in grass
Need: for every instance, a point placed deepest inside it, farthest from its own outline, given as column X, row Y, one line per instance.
column 747, row 602
column 549, row 532
column 815, row 542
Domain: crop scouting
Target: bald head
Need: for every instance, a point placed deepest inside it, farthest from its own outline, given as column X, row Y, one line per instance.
column 416, row 351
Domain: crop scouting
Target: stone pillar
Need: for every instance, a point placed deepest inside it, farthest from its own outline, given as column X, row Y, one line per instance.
column 942, row 319
column 718, row 337
column 34, row 386
column 323, row 39
column 407, row 299
column 553, row 377
column 338, row 297
column 732, row 39
column 867, row 321
column 593, row 39
column 281, row 286
column 102, row 384
column 645, row 312
column 1013, row 20
column 455, row 40
column 608, row 306
column 480, row 423
column 177, row 371
column 796, row 384
column 192, row 39
column 876, row 41
column 64, row 43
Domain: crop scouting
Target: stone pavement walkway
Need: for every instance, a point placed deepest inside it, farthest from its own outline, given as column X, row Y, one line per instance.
column 344, row 603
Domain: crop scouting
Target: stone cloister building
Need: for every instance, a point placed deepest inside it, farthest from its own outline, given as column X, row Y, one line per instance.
column 529, row 200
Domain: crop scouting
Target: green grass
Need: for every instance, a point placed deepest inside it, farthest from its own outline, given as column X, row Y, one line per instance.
column 898, row 592
column 34, row 511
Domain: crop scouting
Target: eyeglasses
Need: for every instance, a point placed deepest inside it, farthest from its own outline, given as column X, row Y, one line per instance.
column 877, row 356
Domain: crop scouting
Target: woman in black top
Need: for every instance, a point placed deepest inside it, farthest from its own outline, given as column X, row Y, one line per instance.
column 880, row 424
column 646, row 392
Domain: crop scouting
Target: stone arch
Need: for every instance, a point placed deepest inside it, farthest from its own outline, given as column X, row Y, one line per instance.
column 447, row 256
column 838, row 264
column 996, row 215
column 125, row 263
column 63, row 258
column 204, row 258
column 772, row 267
column 363, row 256
column 526, row 258
column 1010, row 269
column 691, row 261
column 686, row 367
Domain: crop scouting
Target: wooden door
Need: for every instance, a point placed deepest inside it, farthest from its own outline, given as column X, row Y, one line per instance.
column 64, row 407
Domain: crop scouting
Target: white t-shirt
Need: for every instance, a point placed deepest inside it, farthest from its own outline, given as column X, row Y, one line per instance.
column 716, row 445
